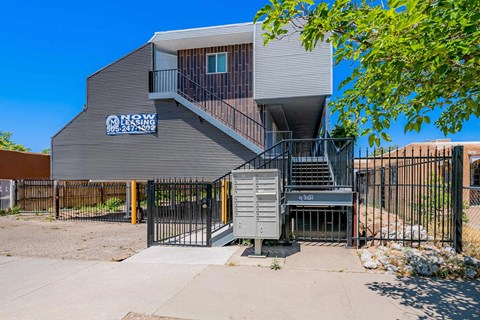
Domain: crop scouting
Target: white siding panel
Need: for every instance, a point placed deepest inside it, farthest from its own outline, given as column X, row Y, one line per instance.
column 226, row 30
column 283, row 68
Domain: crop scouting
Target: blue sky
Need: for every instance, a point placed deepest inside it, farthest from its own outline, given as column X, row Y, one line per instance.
column 48, row 48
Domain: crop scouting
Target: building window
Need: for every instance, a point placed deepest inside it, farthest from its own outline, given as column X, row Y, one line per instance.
column 475, row 171
column 393, row 175
column 216, row 63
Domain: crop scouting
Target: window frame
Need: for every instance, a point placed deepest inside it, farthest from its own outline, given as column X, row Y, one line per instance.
column 215, row 54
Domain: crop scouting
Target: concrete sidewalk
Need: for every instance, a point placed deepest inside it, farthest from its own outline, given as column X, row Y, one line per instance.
column 34, row 288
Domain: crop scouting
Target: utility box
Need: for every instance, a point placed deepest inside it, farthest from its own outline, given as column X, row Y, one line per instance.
column 256, row 204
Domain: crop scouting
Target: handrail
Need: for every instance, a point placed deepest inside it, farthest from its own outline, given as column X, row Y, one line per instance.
column 252, row 160
column 284, row 153
column 177, row 82
column 218, row 98
column 342, row 169
column 329, row 137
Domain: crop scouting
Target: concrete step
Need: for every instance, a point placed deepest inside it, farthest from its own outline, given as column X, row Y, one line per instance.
column 222, row 236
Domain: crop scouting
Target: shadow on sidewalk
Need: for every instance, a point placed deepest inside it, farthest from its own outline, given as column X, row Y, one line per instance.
column 435, row 298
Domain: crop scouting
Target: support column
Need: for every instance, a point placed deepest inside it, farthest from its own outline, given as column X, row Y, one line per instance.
column 258, row 247
column 134, row 201
column 128, row 201
column 56, row 199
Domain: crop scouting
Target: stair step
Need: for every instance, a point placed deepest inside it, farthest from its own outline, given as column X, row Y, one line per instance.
column 222, row 236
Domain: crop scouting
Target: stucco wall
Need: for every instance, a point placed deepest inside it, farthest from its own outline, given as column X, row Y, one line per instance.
column 24, row 165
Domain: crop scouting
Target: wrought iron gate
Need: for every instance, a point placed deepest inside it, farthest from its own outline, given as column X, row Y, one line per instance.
column 179, row 212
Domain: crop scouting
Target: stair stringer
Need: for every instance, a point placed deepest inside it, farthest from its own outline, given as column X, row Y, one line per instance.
column 216, row 123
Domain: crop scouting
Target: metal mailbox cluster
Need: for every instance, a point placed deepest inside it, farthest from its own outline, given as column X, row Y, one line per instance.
column 256, row 204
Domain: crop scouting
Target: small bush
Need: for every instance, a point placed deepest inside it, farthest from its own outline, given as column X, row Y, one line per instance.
column 10, row 211
column 113, row 204
column 246, row 242
column 275, row 265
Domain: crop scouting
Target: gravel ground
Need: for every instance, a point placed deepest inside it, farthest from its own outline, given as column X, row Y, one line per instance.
column 41, row 236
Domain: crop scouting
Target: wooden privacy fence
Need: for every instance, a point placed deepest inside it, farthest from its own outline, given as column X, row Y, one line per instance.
column 77, row 199
column 76, row 194
column 34, row 195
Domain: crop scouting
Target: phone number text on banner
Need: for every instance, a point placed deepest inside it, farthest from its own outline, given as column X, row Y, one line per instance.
column 142, row 123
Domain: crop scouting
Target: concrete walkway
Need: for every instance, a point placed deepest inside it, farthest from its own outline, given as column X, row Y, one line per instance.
column 307, row 287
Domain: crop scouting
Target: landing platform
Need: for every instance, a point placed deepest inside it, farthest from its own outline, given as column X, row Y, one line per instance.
column 183, row 255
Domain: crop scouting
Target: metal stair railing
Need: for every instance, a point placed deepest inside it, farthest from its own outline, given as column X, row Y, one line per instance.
column 339, row 154
column 281, row 156
column 173, row 81
column 273, row 158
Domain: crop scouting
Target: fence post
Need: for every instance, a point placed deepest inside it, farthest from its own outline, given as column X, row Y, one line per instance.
column 209, row 215
column 457, row 196
column 134, row 201
column 11, row 204
column 128, row 201
column 150, row 205
column 350, row 226
column 56, row 199
column 15, row 193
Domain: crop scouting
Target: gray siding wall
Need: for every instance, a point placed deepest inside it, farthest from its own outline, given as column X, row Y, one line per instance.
column 284, row 69
column 184, row 146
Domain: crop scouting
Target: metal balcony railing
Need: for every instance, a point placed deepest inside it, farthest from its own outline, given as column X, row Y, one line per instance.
column 173, row 81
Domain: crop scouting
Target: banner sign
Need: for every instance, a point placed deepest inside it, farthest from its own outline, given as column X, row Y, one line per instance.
column 142, row 123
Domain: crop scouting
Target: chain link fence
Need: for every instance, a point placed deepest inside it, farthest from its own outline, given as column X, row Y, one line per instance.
column 471, row 221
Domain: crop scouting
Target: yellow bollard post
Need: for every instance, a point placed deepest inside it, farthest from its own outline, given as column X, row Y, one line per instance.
column 224, row 201
column 134, row 201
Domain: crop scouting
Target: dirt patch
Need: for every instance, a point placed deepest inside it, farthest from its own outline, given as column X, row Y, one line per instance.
column 42, row 236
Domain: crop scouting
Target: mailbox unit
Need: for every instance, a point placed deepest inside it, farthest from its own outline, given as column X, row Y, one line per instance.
column 256, row 204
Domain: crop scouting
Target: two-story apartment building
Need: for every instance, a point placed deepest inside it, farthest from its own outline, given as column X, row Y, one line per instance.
column 194, row 103
column 198, row 103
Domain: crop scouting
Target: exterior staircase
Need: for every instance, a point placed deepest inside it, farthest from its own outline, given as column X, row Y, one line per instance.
column 172, row 84
column 317, row 174
column 311, row 173
column 312, row 196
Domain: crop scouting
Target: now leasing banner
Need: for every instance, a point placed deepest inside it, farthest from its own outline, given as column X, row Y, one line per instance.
column 141, row 123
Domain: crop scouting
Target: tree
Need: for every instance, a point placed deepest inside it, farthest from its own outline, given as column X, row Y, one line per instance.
column 347, row 129
column 409, row 57
column 6, row 142
column 382, row 150
column 47, row 151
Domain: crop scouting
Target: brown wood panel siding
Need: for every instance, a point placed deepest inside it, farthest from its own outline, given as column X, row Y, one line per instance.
column 235, row 86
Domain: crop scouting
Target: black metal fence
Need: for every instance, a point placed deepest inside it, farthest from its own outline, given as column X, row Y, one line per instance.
column 410, row 195
column 179, row 212
column 326, row 224
column 188, row 211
